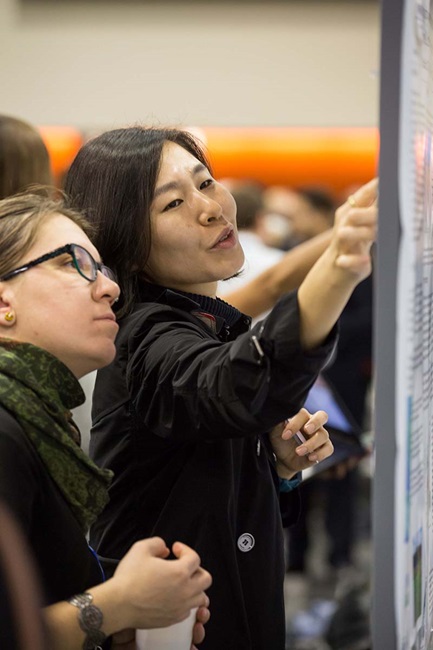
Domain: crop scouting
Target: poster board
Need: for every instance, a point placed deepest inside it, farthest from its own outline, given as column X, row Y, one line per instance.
column 402, row 495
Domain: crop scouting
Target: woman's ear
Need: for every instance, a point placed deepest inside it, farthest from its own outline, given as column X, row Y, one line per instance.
column 7, row 313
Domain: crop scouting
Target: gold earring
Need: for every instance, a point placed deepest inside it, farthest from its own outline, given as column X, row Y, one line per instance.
column 9, row 316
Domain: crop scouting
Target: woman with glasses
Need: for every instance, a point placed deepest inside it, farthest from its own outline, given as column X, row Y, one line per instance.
column 57, row 324
column 190, row 414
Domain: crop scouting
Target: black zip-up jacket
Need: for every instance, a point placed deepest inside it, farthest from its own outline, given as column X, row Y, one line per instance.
column 181, row 417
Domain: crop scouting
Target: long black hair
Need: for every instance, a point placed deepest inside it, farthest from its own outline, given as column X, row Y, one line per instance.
column 112, row 182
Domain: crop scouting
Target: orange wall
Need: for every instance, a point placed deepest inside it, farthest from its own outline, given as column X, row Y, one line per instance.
column 63, row 143
column 336, row 158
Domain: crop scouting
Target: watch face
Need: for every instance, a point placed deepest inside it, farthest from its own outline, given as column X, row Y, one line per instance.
column 81, row 600
column 91, row 618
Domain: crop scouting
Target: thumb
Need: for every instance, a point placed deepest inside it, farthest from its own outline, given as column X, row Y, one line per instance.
column 186, row 554
column 155, row 546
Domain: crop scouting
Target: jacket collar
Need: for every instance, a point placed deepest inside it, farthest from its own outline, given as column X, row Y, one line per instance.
column 218, row 315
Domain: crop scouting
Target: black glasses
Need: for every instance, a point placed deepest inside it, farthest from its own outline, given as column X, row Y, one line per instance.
column 84, row 263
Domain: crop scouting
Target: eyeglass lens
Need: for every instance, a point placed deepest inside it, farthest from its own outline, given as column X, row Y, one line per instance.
column 85, row 263
column 88, row 267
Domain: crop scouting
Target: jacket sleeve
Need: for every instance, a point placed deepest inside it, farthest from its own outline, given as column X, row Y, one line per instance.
column 187, row 384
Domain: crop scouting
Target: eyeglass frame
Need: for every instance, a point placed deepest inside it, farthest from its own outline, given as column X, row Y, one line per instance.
column 67, row 248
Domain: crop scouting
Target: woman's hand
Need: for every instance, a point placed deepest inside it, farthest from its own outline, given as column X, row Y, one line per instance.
column 125, row 640
column 292, row 457
column 355, row 230
column 155, row 592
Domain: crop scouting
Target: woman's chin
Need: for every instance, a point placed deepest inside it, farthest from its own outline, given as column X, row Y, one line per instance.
column 104, row 358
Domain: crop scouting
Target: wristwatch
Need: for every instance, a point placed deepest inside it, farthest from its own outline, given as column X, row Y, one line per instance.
column 90, row 619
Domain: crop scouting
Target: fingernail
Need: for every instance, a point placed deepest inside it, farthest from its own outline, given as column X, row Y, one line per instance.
column 301, row 451
column 309, row 427
column 312, row 458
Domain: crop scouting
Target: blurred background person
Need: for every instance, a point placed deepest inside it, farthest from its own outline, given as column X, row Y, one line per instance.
column 350, row 374
column 293, row 216
column 258, row 255
column 323, row 556
column 25, row 161
column 268, row 272
column 24, row 158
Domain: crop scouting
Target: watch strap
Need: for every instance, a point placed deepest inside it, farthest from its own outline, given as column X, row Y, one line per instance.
column 90, row 619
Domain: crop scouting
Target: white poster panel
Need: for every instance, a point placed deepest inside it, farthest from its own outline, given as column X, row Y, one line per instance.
column 414, row 340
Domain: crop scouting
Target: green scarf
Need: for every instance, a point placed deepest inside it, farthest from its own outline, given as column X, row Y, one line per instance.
column 38, row 390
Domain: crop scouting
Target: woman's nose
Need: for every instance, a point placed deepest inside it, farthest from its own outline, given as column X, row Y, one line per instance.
column 106, row 287
column 210, row 211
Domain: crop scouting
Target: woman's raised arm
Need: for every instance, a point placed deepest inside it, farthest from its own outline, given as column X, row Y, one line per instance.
column 347, row 260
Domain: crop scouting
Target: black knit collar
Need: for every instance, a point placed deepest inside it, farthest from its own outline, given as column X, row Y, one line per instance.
column 219, row 309
column 215, row 306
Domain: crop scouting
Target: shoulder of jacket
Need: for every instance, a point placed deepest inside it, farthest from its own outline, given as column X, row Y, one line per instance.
column 8, row 424
column 12, row 432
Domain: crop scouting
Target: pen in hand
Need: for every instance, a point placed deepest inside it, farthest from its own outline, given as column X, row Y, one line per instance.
column 300, row 438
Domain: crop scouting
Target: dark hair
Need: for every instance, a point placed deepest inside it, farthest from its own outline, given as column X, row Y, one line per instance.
column 112, row 181
column 249, row 203
column 24, row 158
column 320, row 200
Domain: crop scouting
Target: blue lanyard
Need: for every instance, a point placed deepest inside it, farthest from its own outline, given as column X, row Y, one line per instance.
column 95, row 555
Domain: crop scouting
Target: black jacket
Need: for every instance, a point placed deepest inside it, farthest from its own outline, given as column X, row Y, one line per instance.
column 64, row 562
column 181, row 417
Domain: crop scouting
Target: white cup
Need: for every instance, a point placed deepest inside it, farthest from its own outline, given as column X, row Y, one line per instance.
column 174, row 637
